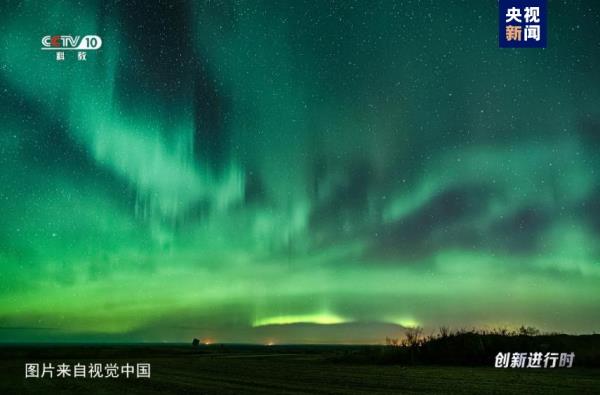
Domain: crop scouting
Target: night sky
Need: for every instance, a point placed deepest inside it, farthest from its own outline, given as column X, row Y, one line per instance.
column 296, row 171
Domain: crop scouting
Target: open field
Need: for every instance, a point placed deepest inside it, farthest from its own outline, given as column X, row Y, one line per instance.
column 274, row 370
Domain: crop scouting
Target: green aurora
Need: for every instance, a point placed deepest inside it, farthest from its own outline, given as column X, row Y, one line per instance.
column 296, row 171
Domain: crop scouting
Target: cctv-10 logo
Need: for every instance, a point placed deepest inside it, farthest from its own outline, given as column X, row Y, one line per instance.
column 60, row 43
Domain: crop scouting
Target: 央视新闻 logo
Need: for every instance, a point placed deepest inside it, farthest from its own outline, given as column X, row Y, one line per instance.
column 522, row 23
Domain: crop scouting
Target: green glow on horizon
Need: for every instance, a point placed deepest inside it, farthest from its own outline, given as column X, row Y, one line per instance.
column 406, row 322
column 322, row 319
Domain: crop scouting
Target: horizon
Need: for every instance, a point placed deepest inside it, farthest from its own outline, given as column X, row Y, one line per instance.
column 269, row 341
column 188, row 344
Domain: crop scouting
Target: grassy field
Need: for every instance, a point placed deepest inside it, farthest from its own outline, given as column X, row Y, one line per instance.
column 274, row 370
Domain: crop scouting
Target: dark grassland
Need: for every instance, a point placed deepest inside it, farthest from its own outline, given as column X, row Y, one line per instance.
column 238, row 369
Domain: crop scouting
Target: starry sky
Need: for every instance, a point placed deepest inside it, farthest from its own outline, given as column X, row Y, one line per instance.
column 296, row 171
